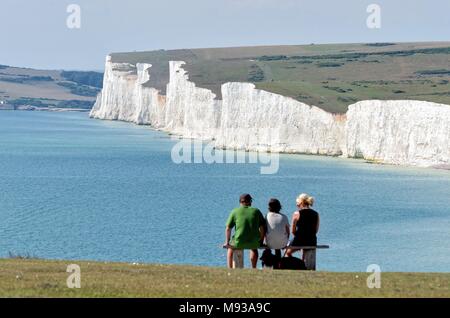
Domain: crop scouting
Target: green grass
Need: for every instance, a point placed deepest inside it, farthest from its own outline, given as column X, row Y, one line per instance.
column 43, row 278
column 299, row 71
column 47, row 88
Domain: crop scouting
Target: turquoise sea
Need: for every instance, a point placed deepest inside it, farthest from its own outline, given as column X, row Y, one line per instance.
column 77, row 188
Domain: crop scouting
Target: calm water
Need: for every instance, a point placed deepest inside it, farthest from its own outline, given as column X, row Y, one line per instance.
column 76, row 188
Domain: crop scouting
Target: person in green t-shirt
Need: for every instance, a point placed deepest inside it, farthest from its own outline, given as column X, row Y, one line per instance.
column 249, row 230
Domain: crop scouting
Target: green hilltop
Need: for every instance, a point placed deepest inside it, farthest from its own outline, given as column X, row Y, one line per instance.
column 330, row 76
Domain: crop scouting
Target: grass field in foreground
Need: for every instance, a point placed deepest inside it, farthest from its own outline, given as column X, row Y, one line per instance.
column 42, row 278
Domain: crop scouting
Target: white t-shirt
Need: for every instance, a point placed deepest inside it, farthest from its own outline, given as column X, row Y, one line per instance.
column 276, row 236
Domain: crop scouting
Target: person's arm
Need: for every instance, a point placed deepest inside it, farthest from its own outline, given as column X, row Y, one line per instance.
column 318, row 224
column 228, row 227
column 227, row 236
column 262, row 228
column 294, row 221
column 262, row 233
column 287, row 226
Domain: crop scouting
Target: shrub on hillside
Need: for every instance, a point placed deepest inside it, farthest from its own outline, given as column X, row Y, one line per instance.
column 81, row 90
column 94, row 79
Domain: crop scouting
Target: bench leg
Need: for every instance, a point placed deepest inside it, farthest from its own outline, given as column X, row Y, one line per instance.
column 238, row 259
column 310, row 259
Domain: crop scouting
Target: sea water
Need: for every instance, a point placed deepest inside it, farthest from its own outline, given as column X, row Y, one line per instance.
column 78, row 188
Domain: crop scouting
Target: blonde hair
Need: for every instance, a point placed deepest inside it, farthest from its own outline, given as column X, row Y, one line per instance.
column 305, row 199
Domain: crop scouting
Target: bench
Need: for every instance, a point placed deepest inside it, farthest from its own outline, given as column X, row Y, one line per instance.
column 309, row 253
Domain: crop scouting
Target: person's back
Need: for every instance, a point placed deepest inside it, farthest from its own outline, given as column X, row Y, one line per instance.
column 305, row 223
column 277, row 234
column 306, row 227
column 247, row 221
column 249, row 230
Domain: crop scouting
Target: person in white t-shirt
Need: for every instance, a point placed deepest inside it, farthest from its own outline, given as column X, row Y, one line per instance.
column 277, row 235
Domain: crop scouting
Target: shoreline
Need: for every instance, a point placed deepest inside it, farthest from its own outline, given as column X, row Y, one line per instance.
column 175, row 136
column 46, row 109
column 445, row 167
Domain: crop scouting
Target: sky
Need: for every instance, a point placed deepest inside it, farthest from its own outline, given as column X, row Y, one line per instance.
column 36, row 34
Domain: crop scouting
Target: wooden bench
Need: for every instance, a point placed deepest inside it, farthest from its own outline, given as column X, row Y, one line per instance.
column 309, row 253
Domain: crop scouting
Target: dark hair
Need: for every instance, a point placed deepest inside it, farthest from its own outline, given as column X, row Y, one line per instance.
column 274, row 205
column 245, row 198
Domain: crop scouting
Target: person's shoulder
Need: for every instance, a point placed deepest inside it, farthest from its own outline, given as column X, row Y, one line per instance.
column 235, row 210
column 271, row 215
column 257, row 211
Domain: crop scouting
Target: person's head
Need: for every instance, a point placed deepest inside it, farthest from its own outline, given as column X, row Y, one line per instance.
column 304, row 201
column 245, row 199
column 274, row 205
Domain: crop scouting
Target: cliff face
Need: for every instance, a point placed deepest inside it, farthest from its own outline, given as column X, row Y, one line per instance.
column 192, row 112
column 254, row 119
column 125, row 96
column 396, row 132
column 399, row 132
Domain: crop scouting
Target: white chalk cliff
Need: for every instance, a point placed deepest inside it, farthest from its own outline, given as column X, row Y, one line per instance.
column 254, row 119
column 396, row 132
column 124, row 96
column 399, row 132
column 191, row 112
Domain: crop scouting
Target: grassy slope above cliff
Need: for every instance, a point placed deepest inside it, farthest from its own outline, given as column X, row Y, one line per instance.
column 43, row 88
column 329, row 76
column 39, row 278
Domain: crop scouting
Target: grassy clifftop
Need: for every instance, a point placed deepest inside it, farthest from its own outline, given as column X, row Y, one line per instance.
column 329, row 76
column 44, row 89
column 40, row 278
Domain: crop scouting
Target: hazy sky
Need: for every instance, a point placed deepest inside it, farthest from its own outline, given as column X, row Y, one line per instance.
column 33, row 33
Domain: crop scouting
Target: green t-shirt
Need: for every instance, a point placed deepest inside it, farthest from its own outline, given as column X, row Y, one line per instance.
column 246, row 221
